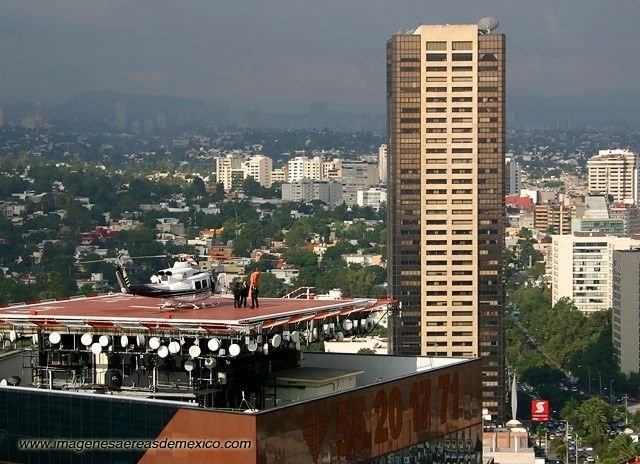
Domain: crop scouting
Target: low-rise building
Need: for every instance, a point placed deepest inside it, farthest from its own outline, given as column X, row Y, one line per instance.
column 373, row 197
column 328, row 192
column 363, row 259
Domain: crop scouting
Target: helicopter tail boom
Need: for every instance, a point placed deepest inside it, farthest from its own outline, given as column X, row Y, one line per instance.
column 123, row 280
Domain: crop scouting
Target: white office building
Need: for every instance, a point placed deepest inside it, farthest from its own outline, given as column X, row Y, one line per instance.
column 382, row 163
column 614, row 172
column 302, row 167
column 306, row 190
column 259, row 167
column 373, row 197
column 581, row 268
column 357, row 175
column 279, row 175
column 227, row 169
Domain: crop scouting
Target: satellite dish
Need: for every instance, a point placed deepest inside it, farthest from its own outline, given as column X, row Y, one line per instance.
column 154, row 343
column 194, row 351
column 174, row 347
column 3, row 383
column 252, row 346
column 14, row 380
column 369, row 323
column 124, row 341
column 276, row 340
column 140, row 340
column 295, row 336
column 54, row 338
column 347, row 325
column 86, row 339
column 340, row 336
column 104, row 340
column 96, row 348
column 210, row 363
column 163, row 351
column 188, row 365
column 13, row 336
column 488, row 24
column 213, row 344
column 234, row 349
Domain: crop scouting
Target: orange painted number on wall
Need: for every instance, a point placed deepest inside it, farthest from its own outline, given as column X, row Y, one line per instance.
column 449, row 388
column 420, row 400
column 381, row 434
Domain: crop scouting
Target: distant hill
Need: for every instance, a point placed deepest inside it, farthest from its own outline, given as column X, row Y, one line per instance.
column 574, row 111
column 121, row 110
column 115, row 108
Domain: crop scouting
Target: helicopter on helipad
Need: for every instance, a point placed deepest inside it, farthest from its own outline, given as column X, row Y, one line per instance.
column 183, row 284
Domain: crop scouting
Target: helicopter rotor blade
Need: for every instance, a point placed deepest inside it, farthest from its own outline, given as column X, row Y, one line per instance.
column 148, row 256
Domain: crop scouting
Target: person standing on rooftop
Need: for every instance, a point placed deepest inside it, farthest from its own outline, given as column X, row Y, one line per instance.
column 254, row 282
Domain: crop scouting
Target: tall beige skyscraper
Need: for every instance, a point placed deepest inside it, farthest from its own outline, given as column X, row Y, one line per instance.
column 446, row 107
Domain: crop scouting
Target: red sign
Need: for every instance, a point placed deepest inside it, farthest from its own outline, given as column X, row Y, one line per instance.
column 540, row 410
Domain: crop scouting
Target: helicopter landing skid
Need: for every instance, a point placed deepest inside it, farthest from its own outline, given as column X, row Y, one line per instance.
column 206, row 305
column 172, row 306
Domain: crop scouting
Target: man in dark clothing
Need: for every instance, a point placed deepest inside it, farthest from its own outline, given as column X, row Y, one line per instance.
column 254, row 283
column 236, row 288
column 244, row 293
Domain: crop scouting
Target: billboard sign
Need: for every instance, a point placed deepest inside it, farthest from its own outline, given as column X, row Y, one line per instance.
column 540, row 410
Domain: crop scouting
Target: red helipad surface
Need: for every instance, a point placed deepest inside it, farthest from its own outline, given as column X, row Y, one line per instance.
column 133, row 313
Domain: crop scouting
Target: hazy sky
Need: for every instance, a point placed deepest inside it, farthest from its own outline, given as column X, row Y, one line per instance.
column 284, row 54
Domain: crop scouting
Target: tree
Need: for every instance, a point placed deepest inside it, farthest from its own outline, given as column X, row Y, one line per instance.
column 359, row 282
column 271, row 286
column 218, row 194
column 267, row 261
column 619, row 450
column 334, row 253
column 87, row 290
column 306, row 278
column 196, row 188
column 592, row 419
column 300, row 257
column 252, row 188
column 366, row 351
column 298, row 234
